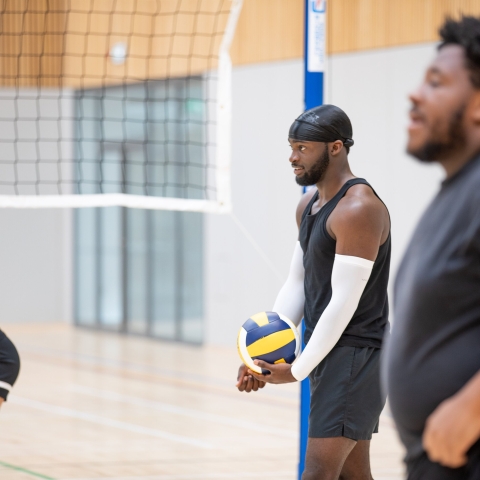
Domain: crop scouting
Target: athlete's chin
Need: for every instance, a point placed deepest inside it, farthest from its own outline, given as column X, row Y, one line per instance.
column 304, row 181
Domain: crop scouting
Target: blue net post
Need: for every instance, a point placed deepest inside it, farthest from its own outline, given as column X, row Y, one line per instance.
column 314, row 61
column 304, row 411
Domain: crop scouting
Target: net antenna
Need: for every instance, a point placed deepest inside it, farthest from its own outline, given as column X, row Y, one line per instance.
column 116, row 103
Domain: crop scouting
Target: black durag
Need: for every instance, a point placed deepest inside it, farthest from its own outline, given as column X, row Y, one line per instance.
column 326, row 123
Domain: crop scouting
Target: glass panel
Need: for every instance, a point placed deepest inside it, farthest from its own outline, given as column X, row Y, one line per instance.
column 135, row 169
column 141, row 271
column 163, row 274
column 192, row 277
column 137, row 271
column 85, row 266
column 111, row 268
column 163, row 121
column 112, row 169
column 194, row 147
column 89, row 137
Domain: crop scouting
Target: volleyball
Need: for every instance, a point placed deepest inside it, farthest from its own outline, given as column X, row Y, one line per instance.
column 268, row 336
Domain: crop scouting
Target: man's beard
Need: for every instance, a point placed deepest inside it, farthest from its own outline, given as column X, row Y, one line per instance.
column 437, row 149
column 316, row 172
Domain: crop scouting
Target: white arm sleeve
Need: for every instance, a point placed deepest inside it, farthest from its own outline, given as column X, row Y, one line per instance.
column 349, row 277
column 291, row 298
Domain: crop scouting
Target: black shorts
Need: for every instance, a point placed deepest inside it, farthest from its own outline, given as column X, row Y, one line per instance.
column 9, row 365
column 423, row 469
column 346, row 399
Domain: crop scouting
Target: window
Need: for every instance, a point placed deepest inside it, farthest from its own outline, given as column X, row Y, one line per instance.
column 140, row 271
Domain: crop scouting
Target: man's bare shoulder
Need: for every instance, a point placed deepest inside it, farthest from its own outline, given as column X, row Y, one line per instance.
column 302, row 204
column 360, row 199
column 359, row 210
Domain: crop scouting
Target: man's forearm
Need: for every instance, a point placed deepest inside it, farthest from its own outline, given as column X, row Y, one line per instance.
column 454, row 426
column 349, row 278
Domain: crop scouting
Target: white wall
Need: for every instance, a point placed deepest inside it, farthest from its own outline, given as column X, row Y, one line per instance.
column 372, row 88
column 239, row 282
column 35, row 266
column 36, row 282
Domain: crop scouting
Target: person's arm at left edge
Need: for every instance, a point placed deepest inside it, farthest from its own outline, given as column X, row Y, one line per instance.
column 358, row 225
column 454, row 426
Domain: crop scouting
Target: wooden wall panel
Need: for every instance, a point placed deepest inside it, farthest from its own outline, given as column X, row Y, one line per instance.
column 66, row 42
column 69, row 45
column 365, row 24
column 164, row 38
column 30, row 42
column 269, row 30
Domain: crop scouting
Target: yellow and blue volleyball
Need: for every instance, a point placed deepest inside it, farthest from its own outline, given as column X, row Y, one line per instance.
column 268, row 336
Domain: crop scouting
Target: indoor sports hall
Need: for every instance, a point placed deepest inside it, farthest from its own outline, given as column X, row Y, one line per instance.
column 147, row 210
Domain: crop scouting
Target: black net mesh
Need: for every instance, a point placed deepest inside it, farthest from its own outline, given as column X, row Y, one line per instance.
column 109, row 96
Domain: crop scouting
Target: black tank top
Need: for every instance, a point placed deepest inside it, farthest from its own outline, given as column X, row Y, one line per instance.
column 368, row 324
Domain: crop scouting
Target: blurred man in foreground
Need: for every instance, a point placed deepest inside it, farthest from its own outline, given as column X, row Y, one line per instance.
column 432, row 364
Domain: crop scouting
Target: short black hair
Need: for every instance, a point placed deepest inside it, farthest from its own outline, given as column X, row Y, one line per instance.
column 466, row 33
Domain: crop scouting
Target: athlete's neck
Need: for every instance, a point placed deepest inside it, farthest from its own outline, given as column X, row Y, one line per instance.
column 332, row 182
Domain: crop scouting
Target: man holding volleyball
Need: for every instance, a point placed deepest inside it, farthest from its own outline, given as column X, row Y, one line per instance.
column 338, row 283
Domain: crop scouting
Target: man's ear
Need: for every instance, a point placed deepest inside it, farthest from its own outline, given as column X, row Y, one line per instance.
column 336, row 147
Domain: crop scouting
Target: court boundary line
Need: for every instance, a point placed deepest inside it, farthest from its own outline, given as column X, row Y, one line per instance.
column 281, row 399
column 25, row 470
column 192, row 476
column 97, row 419
column 187, row 412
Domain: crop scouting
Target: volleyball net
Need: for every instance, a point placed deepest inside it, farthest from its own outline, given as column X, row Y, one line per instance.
column 116, row 103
